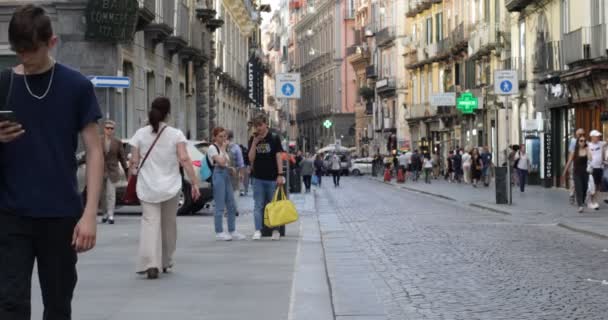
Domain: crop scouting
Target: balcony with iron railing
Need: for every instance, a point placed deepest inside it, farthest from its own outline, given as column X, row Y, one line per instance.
column 181, row 31
column 386, row 86
column 548, row 57
column 483, row 39
column 584, row 44
column 146, row 13
column 517, row 5
column 416, row 7
column 385, row 36
column 459, row 37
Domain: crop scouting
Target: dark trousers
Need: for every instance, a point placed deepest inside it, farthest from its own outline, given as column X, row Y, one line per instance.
column 581, row 183
column 307, row 182
column 523, row 179
column 48, row 242
column 336, row 175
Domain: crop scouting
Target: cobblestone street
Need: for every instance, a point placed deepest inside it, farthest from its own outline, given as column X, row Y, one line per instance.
column 436, row 259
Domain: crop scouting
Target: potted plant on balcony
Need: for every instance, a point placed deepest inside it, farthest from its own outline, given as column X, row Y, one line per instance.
column 366, row 93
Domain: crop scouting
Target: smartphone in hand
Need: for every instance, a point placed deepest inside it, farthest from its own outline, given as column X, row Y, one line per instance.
column 8, row 115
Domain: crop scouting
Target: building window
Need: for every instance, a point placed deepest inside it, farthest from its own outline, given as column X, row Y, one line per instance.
column 522, row 46
column 565, row 16
column 429, row 31
column 439, row 27
column 415, row 89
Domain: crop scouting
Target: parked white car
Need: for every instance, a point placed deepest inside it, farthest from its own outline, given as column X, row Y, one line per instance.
column 361, row 166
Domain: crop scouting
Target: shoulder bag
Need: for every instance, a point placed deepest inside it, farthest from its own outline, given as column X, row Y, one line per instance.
column 131, row 192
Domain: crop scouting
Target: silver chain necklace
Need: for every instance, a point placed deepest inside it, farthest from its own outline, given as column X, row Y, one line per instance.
column 48, row 89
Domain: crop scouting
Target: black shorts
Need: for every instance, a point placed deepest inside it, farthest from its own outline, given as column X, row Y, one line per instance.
column 598, row 174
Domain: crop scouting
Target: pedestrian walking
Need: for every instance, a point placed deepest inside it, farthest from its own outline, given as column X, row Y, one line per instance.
column 223, row 178
column 428, row 168
column 42, row 218
column 466, row 166
column 114, row 155
column 158, row 150
column 436, row 165
column 265, row 156
column 335, row 169
column 450, row 165
column 235, row 156
column 416, row 165
column 568, row 168
column 307, row 169
column 486, row 159
column 522, row 164
column 596, row 148
column 476, row 166
column 580, row 159
column 245, row 172
column 319, row 168
column 457, row 163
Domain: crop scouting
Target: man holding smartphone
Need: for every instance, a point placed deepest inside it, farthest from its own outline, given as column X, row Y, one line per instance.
column 42, row 217
column 265, row 156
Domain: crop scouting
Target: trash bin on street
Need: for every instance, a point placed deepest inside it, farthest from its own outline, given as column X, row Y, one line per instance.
column 501, row 182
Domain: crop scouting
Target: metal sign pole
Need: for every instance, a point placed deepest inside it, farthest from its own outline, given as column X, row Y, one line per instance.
column 509, row 177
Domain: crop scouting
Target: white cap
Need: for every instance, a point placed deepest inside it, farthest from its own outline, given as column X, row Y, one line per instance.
column 595, row 133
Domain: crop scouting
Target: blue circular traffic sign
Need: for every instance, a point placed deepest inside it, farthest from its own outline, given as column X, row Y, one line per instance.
column 288, row 89
column 506, row 86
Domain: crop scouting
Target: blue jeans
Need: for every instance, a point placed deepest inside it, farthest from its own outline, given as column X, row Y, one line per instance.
column 523, row 178
column 263, row 192
column 224, row 198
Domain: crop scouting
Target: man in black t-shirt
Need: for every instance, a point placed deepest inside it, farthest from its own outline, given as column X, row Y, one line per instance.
column 42, row 218
column 267, row 171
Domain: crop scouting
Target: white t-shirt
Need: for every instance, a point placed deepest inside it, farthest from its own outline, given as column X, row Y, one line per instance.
column 159, row 179
column 404, row 160
column 427, row 163
column 335, row 163
column 212, row 152
column 596, row 154
column 524, row 161
column 466, row 159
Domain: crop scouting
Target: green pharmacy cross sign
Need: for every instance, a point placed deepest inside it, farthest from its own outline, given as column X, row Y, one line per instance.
column 467, row 103
column 327, row 124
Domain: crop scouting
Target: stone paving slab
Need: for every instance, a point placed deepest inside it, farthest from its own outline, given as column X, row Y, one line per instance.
column 536, row 204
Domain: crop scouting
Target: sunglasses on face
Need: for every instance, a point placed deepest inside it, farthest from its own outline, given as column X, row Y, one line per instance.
column 581, row 140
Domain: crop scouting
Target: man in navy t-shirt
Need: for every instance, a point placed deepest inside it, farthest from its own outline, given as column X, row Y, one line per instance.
column 41, row 213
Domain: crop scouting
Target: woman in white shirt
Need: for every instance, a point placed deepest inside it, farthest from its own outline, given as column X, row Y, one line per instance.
column 158, row 185
column 223, row 193
column 466, row 166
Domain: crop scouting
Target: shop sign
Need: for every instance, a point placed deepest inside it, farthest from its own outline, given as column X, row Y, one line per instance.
column 111, row 20
column 447, row 99
column 548, row 155
column 467, row 103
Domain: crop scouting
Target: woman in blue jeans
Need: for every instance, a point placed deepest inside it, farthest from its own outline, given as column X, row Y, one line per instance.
column 222, row 186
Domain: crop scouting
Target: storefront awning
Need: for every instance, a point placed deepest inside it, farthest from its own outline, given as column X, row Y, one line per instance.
column 583, row 72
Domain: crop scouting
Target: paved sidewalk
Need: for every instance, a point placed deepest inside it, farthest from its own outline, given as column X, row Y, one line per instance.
column 536, row 204
column 211, row 280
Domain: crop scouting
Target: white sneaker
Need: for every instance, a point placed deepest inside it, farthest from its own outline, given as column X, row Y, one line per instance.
column 593, row 205
column 257, row 235
column 237, row 236
column 223, row 236
column 276, row 235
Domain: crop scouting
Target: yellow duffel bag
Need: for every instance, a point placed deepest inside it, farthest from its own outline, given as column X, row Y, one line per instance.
column 280, row 211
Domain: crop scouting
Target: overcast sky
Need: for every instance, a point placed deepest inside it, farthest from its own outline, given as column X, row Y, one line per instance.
column 274, row 5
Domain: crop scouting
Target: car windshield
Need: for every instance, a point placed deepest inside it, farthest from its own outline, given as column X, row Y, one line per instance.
column 195, row 151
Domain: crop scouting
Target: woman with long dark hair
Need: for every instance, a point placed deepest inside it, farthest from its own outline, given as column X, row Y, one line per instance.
column 580, row 159
column 223, row 194
column 476, row 166
column 158, row 150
